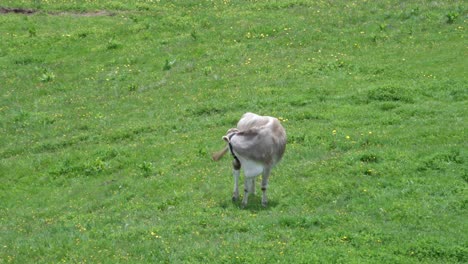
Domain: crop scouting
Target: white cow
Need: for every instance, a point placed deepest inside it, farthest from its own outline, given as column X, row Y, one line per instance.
column 257, row 144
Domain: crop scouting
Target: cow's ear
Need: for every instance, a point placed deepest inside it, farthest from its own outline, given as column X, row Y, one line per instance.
column 229, row 134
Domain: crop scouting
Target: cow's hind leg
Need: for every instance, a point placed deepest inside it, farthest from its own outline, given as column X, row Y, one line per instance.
column 236, row 173
column 265, row 176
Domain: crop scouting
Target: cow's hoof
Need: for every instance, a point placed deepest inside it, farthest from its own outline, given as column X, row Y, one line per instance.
column 243, row 204
column 234, row 199
column 264, row 203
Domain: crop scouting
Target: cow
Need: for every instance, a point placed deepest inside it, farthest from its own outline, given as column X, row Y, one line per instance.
column 257, row 144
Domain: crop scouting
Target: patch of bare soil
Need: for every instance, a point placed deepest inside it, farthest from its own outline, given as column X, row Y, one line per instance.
column 23, row 11
column 6, row 10
column 85, row 14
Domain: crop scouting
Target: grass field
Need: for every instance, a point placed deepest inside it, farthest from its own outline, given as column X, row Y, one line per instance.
column 109, row 112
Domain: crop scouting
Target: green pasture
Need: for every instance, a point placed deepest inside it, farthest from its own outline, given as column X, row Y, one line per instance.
column 110, row 110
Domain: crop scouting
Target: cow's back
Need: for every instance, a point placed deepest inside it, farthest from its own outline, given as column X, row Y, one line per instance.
column 268, row 142
column 251, row 120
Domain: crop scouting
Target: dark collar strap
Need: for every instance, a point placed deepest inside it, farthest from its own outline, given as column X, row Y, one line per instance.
column 230, row 148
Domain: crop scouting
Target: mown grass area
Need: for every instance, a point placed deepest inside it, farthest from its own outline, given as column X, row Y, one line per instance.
column 109, row 112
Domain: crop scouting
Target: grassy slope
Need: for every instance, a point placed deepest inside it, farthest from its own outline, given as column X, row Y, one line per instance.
column 107, row 123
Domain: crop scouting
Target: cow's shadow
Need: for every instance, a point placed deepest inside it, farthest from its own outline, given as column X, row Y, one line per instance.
column 254, row 204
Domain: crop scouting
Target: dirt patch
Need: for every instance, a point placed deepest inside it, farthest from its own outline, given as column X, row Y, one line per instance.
column 23, row 11
column 84, row 14
column 6, row 10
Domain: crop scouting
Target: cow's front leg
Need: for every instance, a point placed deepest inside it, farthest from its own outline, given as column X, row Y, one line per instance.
column 252, row 185
column 236, row 173
column 247, row 188
column 265, row 176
